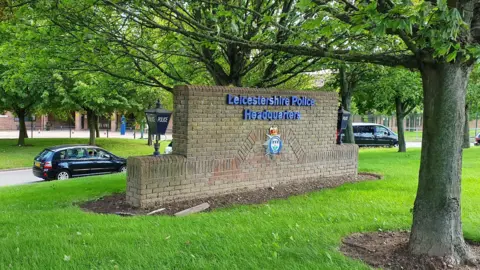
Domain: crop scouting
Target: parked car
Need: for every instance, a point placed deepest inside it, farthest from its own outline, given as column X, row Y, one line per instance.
column 477, row 140
column 66, row 161
column 368, row 134
column 169, row 148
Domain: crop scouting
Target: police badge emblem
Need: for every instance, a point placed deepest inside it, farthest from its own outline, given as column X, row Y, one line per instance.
column 274, row 142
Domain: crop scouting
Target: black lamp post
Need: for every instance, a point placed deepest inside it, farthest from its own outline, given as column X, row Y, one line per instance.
column 157, row 120
column 341, row 123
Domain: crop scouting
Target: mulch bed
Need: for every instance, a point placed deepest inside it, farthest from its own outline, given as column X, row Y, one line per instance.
column 388, row 250
column 116, row 204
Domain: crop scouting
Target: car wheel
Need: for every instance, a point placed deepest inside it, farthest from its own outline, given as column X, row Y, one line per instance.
column 123, row 169
column 63, row 175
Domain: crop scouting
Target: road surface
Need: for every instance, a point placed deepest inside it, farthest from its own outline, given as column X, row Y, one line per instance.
column 9, row 178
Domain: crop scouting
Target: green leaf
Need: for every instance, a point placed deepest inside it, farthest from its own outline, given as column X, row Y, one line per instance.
column 451, row 56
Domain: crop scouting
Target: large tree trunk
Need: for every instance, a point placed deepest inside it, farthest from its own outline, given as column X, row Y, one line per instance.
column 91, row 126
column 346, row 100
column 437, row 226
column 466, row 130
column 23, row 128
column 402, row 146
column 97, row 130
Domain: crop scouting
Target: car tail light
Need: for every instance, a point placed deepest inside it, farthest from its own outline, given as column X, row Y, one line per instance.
column 48, row 165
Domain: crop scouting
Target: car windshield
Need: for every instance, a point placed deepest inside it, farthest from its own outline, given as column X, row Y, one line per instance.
column 44, row 155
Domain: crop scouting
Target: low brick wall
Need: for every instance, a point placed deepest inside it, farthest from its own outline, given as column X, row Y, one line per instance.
column 215, row 151
column 155, row 180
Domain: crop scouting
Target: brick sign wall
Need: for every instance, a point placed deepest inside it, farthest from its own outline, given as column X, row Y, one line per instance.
column 219, row 144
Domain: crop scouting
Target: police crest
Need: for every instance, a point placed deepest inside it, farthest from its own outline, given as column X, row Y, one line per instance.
column 274, row 142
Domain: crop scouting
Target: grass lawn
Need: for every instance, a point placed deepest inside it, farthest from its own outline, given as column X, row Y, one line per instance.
column 416, row 136
column 14, row 156
column 41, row 228
column 413, row 136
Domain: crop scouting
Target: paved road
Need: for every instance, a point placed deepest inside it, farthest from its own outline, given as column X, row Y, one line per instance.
column 9, row 178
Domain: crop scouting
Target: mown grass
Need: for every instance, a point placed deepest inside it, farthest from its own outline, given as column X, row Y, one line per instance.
column 42, row 228
column 13, row 156
column 416, row 136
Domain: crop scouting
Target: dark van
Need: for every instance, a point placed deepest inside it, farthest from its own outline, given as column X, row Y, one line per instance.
column 368, row 134
column 66, row 161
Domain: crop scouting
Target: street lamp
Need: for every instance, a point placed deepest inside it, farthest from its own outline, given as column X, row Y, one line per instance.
column 157, row 120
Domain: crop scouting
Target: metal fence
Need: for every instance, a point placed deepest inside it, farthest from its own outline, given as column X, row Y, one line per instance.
column 413, row 124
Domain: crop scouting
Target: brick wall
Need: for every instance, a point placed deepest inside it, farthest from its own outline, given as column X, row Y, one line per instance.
column 217, row 152
column 7, row 121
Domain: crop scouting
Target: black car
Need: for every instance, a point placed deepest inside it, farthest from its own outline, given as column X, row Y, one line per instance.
column 66, row 161
column 368, row 134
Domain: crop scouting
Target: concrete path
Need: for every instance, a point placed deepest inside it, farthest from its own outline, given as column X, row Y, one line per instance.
column 18, row 177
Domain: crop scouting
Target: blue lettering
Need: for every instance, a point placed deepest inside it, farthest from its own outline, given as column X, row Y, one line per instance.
column 259, row 115
column 270, row 101
column 264, row 114
column 294, row 100
column 243, row 100
column 297, row 115
column 269, row 115
column 299, row 102
column 253, row 115
column 280, row 115
column 247, row 114
column 290, row 115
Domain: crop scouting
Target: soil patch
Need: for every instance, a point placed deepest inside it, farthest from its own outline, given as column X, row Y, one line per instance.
column 388, row 250
column 116, row 203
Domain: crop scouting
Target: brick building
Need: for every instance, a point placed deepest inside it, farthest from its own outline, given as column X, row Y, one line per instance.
column 8, row 121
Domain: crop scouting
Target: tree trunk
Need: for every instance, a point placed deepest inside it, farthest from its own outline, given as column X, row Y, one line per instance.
column 91, row 126
column 149, row 141
column 346, row 100
column 402, row 146
column 97, row 130
column 23, row 128
column 437, row 226
column 466, row 130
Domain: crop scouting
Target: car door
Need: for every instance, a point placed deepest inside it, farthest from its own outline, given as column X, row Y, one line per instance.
column 382, row 136
column 77, row 160
column 95, row 165
column 364, row 135
column 105, row 162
